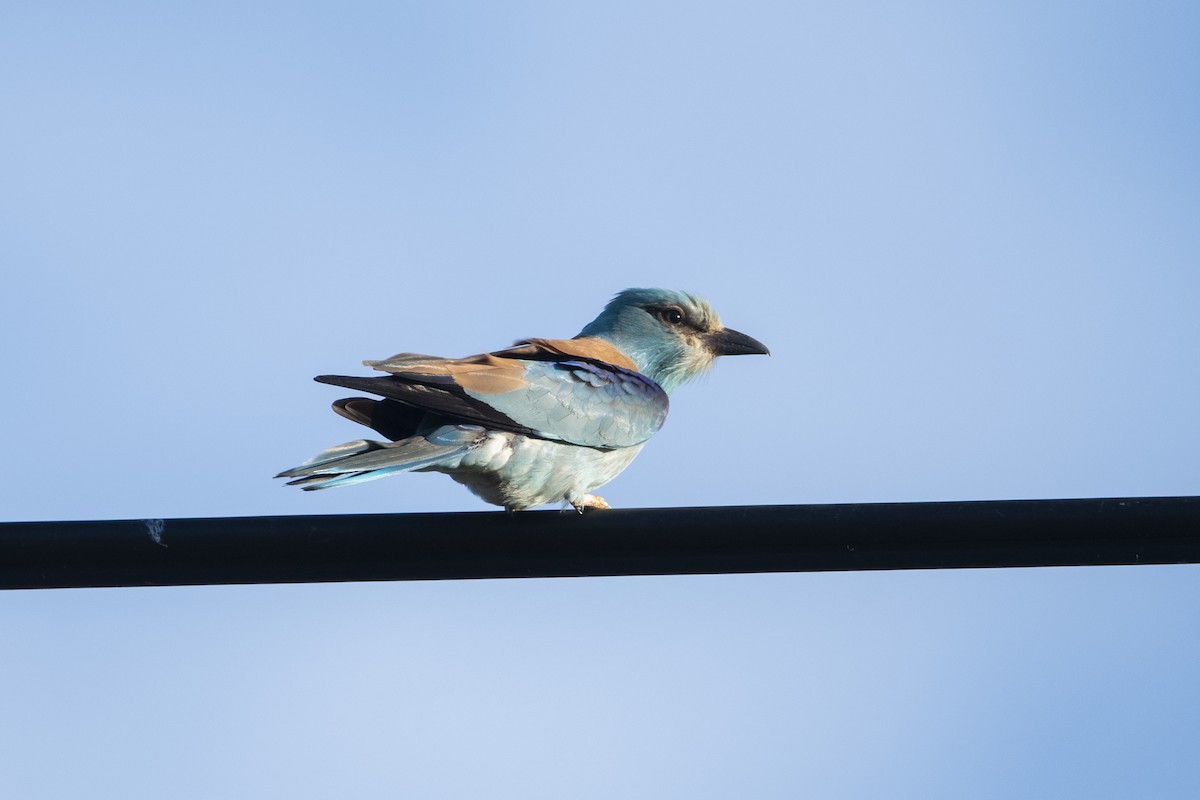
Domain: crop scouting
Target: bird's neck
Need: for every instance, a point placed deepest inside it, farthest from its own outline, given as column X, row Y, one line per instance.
column 664, row 367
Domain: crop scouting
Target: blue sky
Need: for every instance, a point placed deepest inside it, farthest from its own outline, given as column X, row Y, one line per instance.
column 968, row 233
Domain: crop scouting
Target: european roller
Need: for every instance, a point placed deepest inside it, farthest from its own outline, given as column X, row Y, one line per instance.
column 544, row 421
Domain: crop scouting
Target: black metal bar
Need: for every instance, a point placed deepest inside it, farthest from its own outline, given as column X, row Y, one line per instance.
column 729, row 539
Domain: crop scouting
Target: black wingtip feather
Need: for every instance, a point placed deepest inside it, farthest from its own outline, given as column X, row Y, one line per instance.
column 436, row 394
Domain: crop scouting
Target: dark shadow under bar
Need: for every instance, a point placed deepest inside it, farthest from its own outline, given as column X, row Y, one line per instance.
column 546, row 544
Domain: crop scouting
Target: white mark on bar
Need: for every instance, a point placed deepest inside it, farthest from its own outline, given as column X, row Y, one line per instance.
column 155, row 528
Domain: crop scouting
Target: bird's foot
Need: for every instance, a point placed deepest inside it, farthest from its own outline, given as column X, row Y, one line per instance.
column 591, row 501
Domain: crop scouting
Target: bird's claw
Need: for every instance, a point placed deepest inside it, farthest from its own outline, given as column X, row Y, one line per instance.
column 591, row 501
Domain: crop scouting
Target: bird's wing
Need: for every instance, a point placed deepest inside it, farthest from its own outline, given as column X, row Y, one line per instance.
column 565, row 390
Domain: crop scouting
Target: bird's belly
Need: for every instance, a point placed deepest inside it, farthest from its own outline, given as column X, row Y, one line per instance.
column 520, row 472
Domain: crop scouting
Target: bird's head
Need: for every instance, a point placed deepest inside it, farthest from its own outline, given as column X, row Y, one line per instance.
column 672, row 336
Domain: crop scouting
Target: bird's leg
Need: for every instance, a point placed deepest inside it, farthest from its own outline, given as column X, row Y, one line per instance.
column 590, row 501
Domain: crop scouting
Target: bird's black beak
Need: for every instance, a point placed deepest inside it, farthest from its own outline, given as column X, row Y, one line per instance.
column 728, row 342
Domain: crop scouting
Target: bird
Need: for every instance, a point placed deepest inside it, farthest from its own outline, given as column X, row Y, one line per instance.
column 543, row 421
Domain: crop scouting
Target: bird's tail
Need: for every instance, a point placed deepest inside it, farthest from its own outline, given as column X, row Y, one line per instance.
column 366, row 460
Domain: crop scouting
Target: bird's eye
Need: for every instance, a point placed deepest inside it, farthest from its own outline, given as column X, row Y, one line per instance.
column 671, row 316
